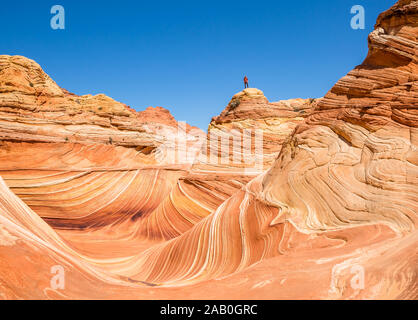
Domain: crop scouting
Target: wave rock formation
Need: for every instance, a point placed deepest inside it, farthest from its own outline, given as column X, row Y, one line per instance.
column 323, row 206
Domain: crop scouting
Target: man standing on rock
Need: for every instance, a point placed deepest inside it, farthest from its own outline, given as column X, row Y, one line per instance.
column 245, row 82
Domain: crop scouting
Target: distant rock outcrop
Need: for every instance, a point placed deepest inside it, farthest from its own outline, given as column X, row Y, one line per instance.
column 33, row 108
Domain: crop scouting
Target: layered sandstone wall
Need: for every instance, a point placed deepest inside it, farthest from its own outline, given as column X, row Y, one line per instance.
column 344, row 182
column 79, row 161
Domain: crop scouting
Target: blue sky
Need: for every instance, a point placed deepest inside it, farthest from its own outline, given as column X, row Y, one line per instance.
column 190, row 56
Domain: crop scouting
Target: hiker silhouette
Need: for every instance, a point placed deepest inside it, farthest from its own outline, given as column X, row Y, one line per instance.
column 245, row 82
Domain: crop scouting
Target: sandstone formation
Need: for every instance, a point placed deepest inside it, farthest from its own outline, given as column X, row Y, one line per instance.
column 329, row 211
column 33, row 108
column 241, row 143
column 79, row 160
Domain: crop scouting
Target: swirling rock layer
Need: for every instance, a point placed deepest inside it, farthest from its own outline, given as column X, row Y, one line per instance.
column 331, row 215
column 80, row 160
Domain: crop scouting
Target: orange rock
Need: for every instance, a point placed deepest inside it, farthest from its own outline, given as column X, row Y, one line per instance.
column 79, row 160
column 224, row 165
column 332, row 215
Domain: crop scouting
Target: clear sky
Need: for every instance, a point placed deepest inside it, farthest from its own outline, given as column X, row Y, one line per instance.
column 190, row 56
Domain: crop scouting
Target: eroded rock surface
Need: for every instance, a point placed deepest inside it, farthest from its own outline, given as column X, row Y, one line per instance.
column 242, row 142
column 79, row 161
column 336, row 197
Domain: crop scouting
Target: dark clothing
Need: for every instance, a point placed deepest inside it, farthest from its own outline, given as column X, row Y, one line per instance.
column 245, row 82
